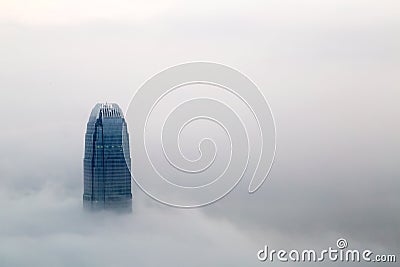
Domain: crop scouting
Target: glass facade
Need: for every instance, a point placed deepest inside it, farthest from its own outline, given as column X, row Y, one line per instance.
column 107, row 179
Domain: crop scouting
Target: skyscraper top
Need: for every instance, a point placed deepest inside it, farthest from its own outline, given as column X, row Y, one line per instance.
column 105, row 110
column 110, row 110
column 107, row 179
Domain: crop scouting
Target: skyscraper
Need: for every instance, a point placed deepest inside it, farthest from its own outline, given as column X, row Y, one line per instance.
column 107, row 178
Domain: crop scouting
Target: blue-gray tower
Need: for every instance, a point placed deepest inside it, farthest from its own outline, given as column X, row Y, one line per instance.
column 106, row 171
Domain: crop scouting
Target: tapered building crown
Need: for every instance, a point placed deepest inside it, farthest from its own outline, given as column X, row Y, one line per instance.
column 107, row 178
